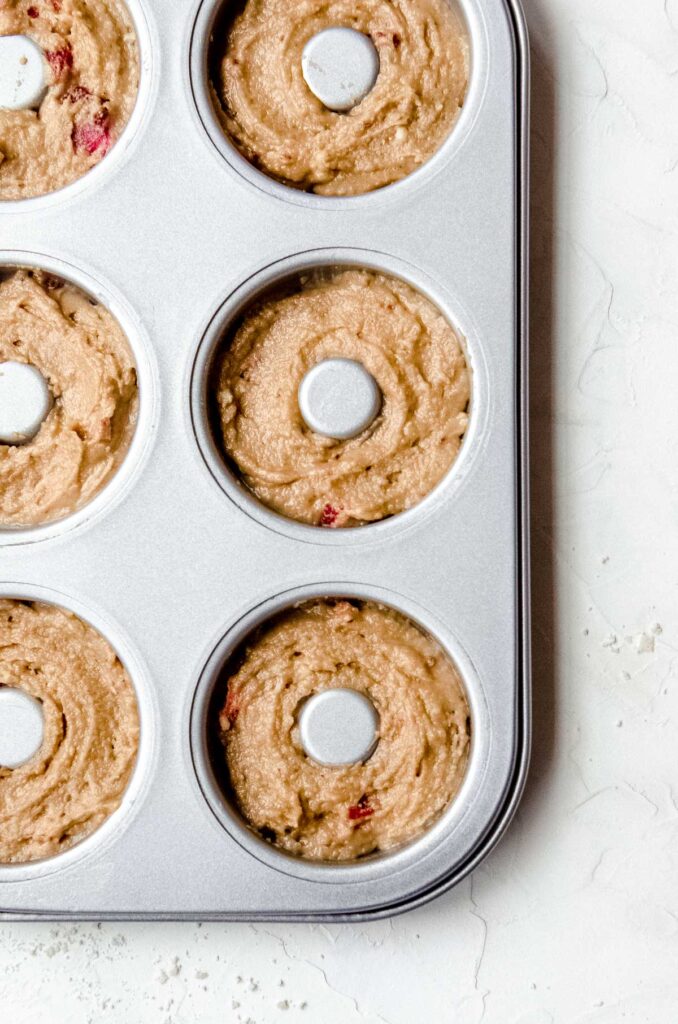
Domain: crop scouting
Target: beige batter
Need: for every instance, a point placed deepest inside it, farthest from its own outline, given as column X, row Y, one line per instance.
column 92, row 65
column 330, row 813
column 84, row 356
column 408, row 347
column 277, row 122
column 78, row 776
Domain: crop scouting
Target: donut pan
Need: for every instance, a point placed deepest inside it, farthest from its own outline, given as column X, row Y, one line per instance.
column 174, row 561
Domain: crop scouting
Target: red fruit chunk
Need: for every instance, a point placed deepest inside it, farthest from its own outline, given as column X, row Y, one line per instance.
column 92, row 136
column 33, row 12
column 360, row 810
column 56, row 5
column 356, row 813
column 231, row 708
column 60, row 61
column 329, row 515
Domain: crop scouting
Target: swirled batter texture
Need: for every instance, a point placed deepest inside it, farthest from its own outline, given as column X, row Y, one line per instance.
column 82, row 353
column 92, row 75
column 409, row 348
column 280, row 126
column 91, row 731
column 332, row 813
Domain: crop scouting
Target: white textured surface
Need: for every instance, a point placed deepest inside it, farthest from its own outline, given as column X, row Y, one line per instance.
column 22, row 727
column 340, row 66
column 338, row 726
column 574, row 918
column 339, row 398
column 22, row 73
column 25, row 400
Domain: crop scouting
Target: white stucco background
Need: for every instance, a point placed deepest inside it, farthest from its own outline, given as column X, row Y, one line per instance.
column 574, row 918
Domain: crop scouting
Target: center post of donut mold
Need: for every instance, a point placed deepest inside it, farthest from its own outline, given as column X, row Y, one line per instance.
column 339, row 727
column 339, row 398
column 25, row 401
column 22, row 727
column 340, row 67
column 22, row 73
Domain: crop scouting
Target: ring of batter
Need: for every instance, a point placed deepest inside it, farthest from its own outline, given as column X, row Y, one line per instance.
column 270, row 114
column 410, row 349
column 84, row 356
column 77, row 778
column 344, row 813
column 92, row 59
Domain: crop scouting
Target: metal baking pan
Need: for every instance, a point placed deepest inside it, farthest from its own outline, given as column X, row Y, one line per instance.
column 174, row 561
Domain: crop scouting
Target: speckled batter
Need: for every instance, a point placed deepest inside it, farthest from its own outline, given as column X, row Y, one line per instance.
column 278, row 123
column 91, row 731
column 408, row 347
column 80, row 349
column 332, row 813
column 92, row 73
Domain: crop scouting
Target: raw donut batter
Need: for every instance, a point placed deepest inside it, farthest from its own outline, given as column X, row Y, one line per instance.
column 276, row 121
column 342, row 813
column 92, row 66
column 83, row 354
column 402, row 340
column 91, row 730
